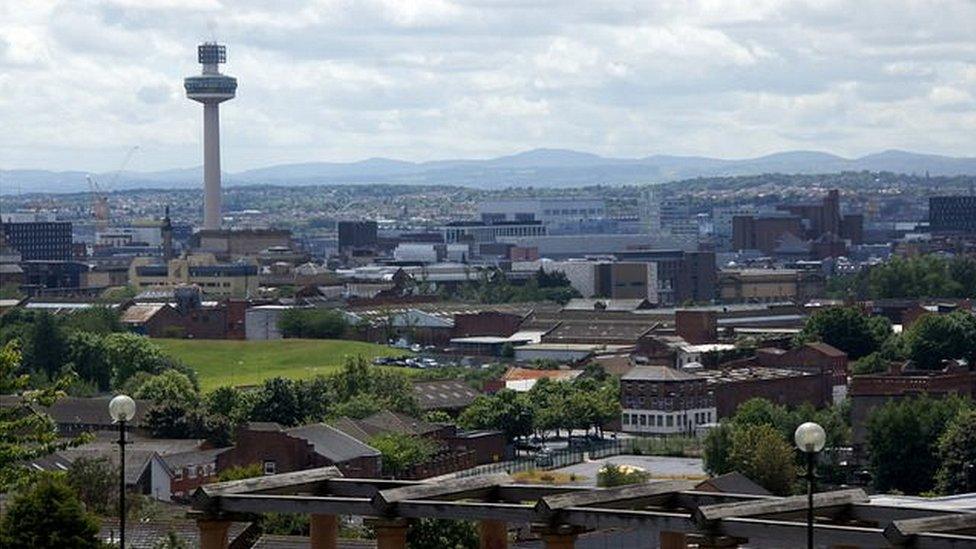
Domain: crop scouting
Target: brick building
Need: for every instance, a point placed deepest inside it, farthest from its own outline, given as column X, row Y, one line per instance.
column 280, row 450
column 867, row 392
column 816, row 357
column 664, row 400
column 733, row 386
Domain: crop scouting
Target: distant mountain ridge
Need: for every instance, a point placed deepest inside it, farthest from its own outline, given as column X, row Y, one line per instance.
column 537, row 167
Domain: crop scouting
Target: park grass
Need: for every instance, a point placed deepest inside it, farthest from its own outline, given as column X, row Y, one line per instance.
column 243, row 363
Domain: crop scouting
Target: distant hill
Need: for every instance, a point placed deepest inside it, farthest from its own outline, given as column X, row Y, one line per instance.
column 538, row 167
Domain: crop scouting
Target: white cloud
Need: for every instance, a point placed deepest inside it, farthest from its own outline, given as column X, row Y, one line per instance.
column 82, row 81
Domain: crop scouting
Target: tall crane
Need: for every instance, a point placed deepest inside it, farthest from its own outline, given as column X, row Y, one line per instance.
column 99, row 200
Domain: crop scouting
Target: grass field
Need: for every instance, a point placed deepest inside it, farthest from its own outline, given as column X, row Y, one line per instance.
column 223, row 362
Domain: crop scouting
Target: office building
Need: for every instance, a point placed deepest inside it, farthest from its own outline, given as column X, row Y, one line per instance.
column 491, row 230
column 357, row 234
column 557, row 214
column 952, row 214
column 37, row 240
column 663, row 400
column 203, row 270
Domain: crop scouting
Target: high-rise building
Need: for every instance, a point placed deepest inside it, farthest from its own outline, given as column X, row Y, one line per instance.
column 38, row 240
column 357, row 234
column 952, row 214
column 211, row 88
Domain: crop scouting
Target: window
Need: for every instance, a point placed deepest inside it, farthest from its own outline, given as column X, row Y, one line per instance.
column 660, row 421
column 270, row 467
column 625, row 419
column 178, row 474
column 633, row 419
column 643, row 419
column 670, row 420
column 191, row 472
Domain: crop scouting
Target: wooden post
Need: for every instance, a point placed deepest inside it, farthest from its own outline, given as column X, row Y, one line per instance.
column 391, row 534
column 213, row 533
column 673, row 540
column 493, row 534
column 324, row 531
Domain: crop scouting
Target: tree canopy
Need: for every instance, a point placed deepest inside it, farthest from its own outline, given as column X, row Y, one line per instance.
column 49, row 516
column 848, row 329
column 903, row 437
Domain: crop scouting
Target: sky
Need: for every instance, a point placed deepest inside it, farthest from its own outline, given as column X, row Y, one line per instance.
column 83, row 82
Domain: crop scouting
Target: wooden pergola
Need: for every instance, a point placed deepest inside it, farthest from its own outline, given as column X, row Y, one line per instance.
column 670, row 511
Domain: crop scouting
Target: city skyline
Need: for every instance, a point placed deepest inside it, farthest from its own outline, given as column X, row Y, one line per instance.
column 436, row 80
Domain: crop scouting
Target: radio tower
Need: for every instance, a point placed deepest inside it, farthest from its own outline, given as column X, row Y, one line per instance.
column 211, row 88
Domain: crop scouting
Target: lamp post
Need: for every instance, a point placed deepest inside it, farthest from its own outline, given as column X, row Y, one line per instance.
column 810, row 439
column 122, row 409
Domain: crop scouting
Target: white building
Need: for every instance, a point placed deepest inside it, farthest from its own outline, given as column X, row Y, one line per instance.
column 554, row 212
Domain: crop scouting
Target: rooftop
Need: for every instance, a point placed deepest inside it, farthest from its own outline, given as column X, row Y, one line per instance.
column 657, row 373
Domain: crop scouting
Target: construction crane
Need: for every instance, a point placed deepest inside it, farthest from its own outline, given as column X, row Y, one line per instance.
column 99, row 200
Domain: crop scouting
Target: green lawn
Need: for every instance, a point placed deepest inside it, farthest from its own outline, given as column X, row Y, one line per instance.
column 223, row 362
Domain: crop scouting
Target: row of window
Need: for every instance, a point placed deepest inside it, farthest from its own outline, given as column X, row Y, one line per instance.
column 573, row 211
column 195, row 471
column 666, row 420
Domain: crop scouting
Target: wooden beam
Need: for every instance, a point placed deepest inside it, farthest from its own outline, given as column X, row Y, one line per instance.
column 901, row 532
column 315, row 505
column 596, row 518
column 466, row 510
column 710, row 513
column 459, row 488
column 363, row 487
column 621, row 495
column 205, row 497
column 517, row 493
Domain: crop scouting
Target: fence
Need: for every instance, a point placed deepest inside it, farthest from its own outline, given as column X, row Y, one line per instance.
column 680, row 446
column 555, row 459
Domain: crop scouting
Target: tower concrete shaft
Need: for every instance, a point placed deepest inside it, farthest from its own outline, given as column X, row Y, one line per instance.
column 211, row 165
column 211, row 88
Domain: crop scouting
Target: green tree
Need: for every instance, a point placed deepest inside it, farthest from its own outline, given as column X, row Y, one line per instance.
column 611, row 475
column 401, row 451
column 903, row 438
column 95, row 480
column 95, row 320
column 26, row 432
column 241, row 472
column 848, row 329
column 359, row 406
column 229, row 402
column 86, row 356
column 49, row 516
column 130, row 353
column 873, row 363
column 438, row 416
column 762, row 454
column 278, row 401
column 168, row 387
column 506, row 411
column 934, row 338
column 716, row 449
column 442, row 534
column 957, row 455
column 47, row 346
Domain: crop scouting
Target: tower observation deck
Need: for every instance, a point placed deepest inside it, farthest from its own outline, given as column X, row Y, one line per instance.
column 211, row 88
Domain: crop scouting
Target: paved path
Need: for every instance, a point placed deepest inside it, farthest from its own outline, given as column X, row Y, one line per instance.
column 658, row 466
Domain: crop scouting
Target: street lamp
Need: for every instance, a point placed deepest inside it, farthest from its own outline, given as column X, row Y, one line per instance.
column 122, row 409
column 810, row 439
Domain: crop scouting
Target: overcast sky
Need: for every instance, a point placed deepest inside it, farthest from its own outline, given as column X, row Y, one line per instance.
column 82, row 82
